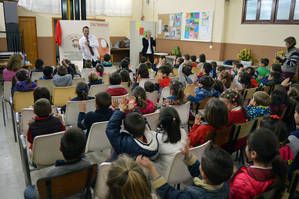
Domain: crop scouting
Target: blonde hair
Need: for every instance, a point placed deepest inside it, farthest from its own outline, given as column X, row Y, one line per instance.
column 261, row 98
column 15, row 62
column 126, row 179
column 92, row 77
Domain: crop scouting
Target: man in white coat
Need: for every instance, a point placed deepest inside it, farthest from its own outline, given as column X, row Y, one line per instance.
column 89, row 47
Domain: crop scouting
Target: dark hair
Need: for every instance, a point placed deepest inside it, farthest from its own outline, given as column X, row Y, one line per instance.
column 265, row 61
column 115, row 78
column 228, row 79
column 276, row 75
column 162, row 57
column 41, row 92
column 251, row 71
column 266, row 146
column 82, row 90
column 220, row 68
column 177, row 90
column 206, row 81
column 165, row 69
column 207, row 68
column 100, row 69
column 279, row 101
column 88, row 63
column 42, row 107
column 135, row 124
column 124, row 64
column 216, row 113
column 234, row 96
column 73, row 144
column 149, row 86
column 239, row 65
column 39, row 64
column 103, row 100
column 291, row 41
column 23, row 76
column 85, row 27
column 107, row 57
column 261, row 98
column 125, row 77
column 214, row 64
column 276, row 68
column 181, row 60
column 143, row 60
column 294, row 92
column 193, row 58
column 187, row 57
column 235, row 62
column 217, row 165
column 149, row 65
column 297, row 108
column 170, row 123
column 187, row 70
column 143, row 71
column 244, row 78
column 93, row 77
column 61, row 70
column 140, row 95
column 218, row 86
column 202, row 58
column 48, row 72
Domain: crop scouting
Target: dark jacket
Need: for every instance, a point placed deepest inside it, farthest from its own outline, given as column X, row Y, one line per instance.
column 23, row 87
column 145, row 45
column 289, row 62
column 99, row 81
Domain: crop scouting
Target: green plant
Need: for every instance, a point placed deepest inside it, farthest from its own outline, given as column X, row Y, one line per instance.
column 282, row 53
column 176, row 51
column 245, row 55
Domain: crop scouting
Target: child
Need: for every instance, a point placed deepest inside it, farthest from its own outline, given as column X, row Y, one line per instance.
column 185, row 73
column 251, row 72
column 93, row 79
column 82, row 92
column 162, row 77
column 267, row 175
column 177, row 93
column 136, row 140
column 88, row 64
column 124, row 65
column 210, row 175
column 62, row 79
column 41, row 92
column 294, row 136
column 125, row 78
column 220, row 69
column 187, row 57
column 279, row 102
column 218, row 86
column 236, row 67
column 258, row 105
column 100, row 70
column 126, row 179
column 171, row 139
column 48, row 73
column 236, row 112
column 216, row 116
column 226, row 79
column 149, row 86
column 205, row 70
column 15, row 62
column 115, row 88
column 275, row 76
column 202, row 60
column 214, row 68
column 107, row 61
column 142, row 76
column 162, row 61
column 101, row 114
column 38, row 65
column 44, row 122
column 144, row 105
column 193, row 60
column 143, row 60
column 72, row 146
column 178, row 62
column 23, row 84
column 241, row 81
column 263, row 71
column 204, row 90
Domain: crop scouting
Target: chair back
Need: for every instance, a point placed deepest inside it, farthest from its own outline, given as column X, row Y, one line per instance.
column 164, row 94
column 189, row 90
column 204, row 102
column 72, row 111
column 36, row 76
column 7, row 91
column 97, row 139
column 46, row 83
column 27, row 115
column 101, row 188
column 178, row 170
column 153, row 119
column 127, row 87
column 61, row 95
column 142, row 81
column 152, row 96
column 75, row 81
column 242, row 130
column 22, row 100
column 183, row 111
column 95, row 89
column 68, row 184
column 248, row 93
column 196, row 70
column 85, row 72
column 106, row 78
column 119, row 98
column 45, row 149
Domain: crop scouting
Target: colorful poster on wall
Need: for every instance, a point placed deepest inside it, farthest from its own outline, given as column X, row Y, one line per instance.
column 173, row 33
column 177, row 20
column 141, row 31
column 192, row 25
column 171, row 20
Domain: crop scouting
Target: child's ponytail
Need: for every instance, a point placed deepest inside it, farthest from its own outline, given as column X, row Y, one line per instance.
column 170, row 124
column 140, row 95
column 82, row 90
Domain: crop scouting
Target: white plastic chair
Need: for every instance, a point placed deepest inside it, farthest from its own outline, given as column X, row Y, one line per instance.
column 75, row 81
column 178, row 170
column 46, row 83
column 27, row 115
column 45, row 150
column 85, row 72
column 153, row 119
column 97, row 139
column 95, row 89
column 164, row 94
column 183, row 111
column 36, row 76
column 119, row 98
column 72, row 111
column 101, row 187
column 152, row 96
column 6, row 98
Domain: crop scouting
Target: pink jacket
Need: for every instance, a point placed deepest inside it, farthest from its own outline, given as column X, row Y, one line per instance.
column 250, row 181
column 8, row 75
column 150, row 107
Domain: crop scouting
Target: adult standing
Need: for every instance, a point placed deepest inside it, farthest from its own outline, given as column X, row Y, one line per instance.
column 89, row 47
column 290, row 60
column 148, row 43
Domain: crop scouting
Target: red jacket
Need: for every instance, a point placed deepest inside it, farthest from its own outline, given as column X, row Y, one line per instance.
column 254, row 83
column 116, row 91
column 165, row 82
column 58, row 34
column 249, row 182
column 236, row 117
column 197, row 134
column 150, row 107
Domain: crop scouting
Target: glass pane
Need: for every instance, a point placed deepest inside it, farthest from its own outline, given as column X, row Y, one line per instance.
column 251, row 9
column 296, row 12
column 266, row 9
column 284, row 8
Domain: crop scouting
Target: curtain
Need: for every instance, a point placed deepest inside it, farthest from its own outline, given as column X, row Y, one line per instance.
column 93, row 7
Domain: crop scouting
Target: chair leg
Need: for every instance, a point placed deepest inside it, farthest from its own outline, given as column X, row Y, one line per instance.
column 13, row 122
column 3, row 110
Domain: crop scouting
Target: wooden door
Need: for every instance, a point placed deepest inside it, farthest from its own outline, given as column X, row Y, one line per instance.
column 27, row 26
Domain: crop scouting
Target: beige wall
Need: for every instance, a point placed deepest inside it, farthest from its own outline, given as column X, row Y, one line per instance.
column 2, row 22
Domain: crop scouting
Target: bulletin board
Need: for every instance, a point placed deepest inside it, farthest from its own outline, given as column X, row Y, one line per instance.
column 169, row 26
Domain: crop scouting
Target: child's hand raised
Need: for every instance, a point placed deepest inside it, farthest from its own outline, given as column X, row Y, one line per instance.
column 185, row 151
column 123, row 105
column 115, row 103
column 286, row 82
column 138, row 79
column 197, row 119
column 144, row 162
column 82, row 107
column 131, row 104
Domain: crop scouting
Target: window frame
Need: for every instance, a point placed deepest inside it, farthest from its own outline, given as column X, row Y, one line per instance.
column 274, row 11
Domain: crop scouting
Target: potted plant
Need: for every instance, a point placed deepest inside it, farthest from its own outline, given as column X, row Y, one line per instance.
column 282, row 53
column 176, row 51
column 245, row 57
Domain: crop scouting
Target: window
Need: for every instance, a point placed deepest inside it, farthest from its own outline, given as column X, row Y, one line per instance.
column 270, row 11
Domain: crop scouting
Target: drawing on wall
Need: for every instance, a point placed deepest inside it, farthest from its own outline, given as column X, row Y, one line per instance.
column 165, row 28
column 177, row 21
column 171, row 20
column 192, row 25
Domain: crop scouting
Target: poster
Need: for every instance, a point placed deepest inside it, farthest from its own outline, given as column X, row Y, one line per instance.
column 177, row 21
column 138, row 24
column 166, row 35
column 141, row 31
column 72, row 32
column 165, row 28
column 173, row 33
column 160, row 26
column 192, row 25
column 171, row 19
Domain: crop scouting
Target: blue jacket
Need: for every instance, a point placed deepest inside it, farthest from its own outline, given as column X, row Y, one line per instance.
column 257, row 111
column 23, row 87
column 199, row 189
column 99, row 81
column 85, row 120
column 201, row 94
column 124, row 142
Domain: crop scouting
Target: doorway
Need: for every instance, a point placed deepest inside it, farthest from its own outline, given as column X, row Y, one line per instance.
column 27, row 26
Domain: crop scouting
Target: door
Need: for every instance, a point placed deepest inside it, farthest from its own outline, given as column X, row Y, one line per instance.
column 27, row 26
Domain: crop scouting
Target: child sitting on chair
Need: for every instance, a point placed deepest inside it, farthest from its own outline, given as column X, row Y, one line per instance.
column 162, row 77
column 24, row 83
column 107, row 61
column 258, row 105
column 177, row 94
column 94, row 79
column 72, row 146
column 144, row 105
column 44, row 122
column 48, row 73
column 115, row 88
column 62, row 78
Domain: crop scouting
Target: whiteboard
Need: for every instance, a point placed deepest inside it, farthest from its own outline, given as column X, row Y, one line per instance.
column 197, row 26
